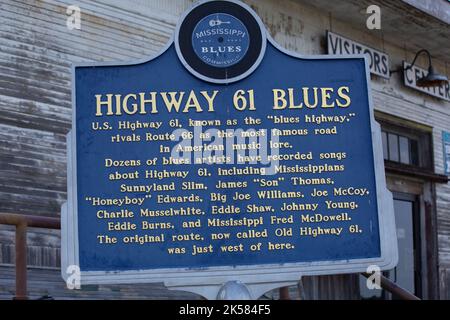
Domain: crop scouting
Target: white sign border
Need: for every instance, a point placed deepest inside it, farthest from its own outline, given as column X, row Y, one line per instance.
column 259, row 278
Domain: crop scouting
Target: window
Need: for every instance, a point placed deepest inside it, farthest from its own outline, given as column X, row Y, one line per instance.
column 405, row 142
column 399, row 148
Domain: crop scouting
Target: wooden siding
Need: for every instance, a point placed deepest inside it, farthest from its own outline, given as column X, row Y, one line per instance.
column 36, row 53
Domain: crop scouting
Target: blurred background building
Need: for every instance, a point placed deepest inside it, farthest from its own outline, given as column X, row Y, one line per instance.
column 36, row 52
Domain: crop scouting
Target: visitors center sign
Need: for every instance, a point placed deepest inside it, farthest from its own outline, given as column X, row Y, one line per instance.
column 225, row 159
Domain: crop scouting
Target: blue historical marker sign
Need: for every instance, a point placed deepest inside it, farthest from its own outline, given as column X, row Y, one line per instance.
column 225, row 158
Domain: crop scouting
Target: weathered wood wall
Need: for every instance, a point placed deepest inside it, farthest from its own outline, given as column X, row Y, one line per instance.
column 37, row 49
column 36, row 53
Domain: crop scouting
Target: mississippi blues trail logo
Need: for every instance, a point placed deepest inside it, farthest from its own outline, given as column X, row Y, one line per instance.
column 220, row 40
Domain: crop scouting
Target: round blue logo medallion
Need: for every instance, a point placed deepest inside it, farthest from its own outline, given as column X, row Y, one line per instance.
column 220, row 40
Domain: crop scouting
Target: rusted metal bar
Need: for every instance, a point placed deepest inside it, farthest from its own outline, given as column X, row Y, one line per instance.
column 284, row 293
column 21, row 261
column 31, row 221
column 393, row 288
column 22, row 222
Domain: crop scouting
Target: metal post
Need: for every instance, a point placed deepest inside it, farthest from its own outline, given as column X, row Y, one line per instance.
column 21, row 261
column 22, row 222
column 284, row 293
column 234, row 290
column 392, row 287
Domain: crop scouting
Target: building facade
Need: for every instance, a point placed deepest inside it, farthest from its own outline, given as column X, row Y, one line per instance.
column 37, row 49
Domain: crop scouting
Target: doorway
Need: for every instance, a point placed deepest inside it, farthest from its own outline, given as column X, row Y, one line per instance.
column 407, row 274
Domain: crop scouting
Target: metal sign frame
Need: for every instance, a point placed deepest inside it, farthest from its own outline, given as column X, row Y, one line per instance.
column 258, row 278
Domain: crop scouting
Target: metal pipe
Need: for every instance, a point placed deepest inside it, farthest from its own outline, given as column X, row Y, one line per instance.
column 392, row 287
column 22, row 222
column 21, row 262
column 417, row 55
column 31, row 221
